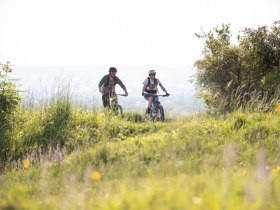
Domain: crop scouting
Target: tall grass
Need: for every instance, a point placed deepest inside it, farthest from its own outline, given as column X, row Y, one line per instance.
column 243, row 99
column 65, row 157
column 57, row 126
column 254, row 100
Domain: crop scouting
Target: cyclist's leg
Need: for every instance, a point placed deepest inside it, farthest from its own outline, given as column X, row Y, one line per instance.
column 105, row 99
column 148, row 109
column 150, row 102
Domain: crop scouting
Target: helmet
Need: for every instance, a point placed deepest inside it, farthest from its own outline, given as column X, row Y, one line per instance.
column 152, row 72
column 112, row 69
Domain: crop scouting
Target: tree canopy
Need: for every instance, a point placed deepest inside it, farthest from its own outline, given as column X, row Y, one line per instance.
column 9, row 101
column 232, row 76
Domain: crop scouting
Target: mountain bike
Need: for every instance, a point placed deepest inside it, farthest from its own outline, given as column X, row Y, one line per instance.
column 157, row 110
column 114, row 105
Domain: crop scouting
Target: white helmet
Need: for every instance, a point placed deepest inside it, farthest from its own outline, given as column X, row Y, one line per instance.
column 152, row 72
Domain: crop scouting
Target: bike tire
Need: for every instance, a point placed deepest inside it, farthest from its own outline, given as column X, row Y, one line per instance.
column 162, row 117
column 152, row 116
column 120, row 110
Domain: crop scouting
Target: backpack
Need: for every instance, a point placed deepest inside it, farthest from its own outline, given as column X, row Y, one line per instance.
column 149, row 81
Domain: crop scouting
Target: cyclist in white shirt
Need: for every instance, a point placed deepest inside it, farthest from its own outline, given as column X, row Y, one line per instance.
column 150, row 90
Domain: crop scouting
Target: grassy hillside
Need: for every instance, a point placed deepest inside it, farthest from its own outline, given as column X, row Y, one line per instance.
column 62, row 157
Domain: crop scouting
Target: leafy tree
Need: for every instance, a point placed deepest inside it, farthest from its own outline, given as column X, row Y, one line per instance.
column 9, row 97
column 218, row 72
column 261, row 57
column 229, row 76
column 9, row 101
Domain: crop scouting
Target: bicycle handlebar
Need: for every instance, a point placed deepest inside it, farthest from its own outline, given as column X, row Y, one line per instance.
column 165, row 95
column 115, row 94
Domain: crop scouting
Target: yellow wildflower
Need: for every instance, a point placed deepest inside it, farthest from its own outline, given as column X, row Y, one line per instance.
column 26, row 163
column 278, row 108
column 276, row 170
column 244, row 172
column 95, row 176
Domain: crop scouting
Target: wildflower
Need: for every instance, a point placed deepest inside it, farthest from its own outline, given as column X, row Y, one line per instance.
column 26, row 163
column 95, row 176
column 276, row 170
column 278, row 108
column 244, row 172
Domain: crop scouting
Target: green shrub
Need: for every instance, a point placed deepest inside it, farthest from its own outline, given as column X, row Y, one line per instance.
column 9, row 101
column 9, row 97
column 240, row 121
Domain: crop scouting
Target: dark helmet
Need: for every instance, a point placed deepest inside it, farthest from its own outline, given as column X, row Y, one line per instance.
column 152, row 72
column 112, row 69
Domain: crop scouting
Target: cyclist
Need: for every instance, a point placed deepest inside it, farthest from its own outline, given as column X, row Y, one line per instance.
column 107, row 86
column 150, row 88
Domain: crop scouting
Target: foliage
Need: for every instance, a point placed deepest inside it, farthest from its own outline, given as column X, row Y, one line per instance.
column 231, row 76
column 59, row 128
column 9, row 101
column 9, row 97
column 196, row 162
column 65, row 157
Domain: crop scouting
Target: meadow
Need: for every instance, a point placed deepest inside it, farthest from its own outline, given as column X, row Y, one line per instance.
column 62, row 156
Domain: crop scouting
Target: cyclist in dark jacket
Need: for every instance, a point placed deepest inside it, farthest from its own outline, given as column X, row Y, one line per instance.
column 107, row 86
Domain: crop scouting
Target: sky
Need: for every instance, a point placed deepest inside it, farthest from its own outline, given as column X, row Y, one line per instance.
column 150, row 33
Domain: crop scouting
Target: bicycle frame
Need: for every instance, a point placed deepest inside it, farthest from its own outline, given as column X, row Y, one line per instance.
column 157, row 111
column 114, row 105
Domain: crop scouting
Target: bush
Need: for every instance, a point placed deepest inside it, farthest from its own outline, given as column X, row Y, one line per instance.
column 242, row 76
column 9, row 101
column 9, row 97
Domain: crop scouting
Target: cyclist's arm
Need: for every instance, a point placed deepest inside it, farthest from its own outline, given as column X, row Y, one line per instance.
column 120, row 83
column 144, row 88
column 164, row 90
column 101, row 83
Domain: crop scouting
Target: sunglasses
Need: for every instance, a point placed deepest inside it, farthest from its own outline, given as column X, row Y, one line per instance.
column 152, row 74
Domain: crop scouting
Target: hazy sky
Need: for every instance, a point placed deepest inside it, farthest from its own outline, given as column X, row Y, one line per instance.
column 119, row 32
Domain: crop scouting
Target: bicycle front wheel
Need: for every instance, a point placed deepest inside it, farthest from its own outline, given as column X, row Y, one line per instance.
column 119, row 110
column 161, row 118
